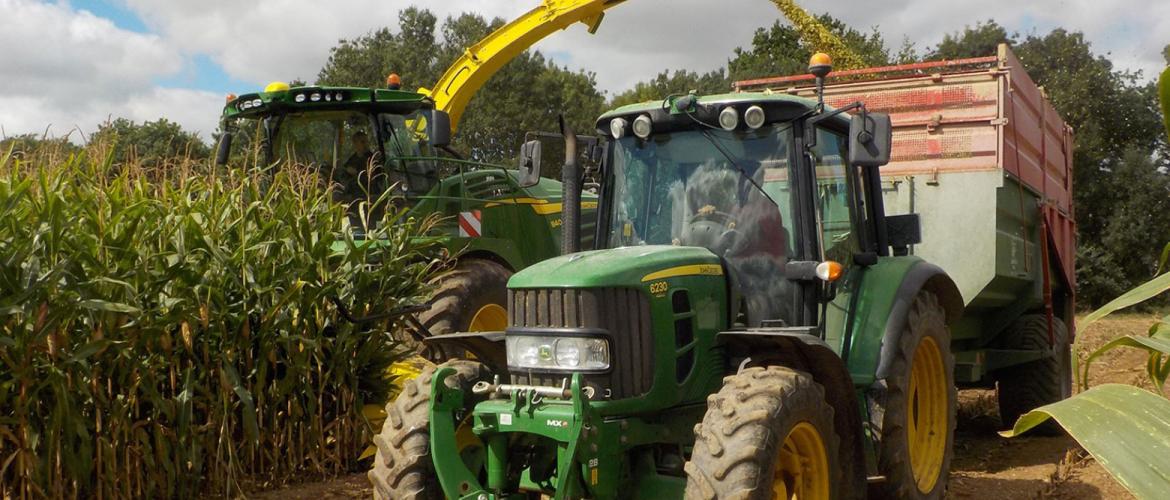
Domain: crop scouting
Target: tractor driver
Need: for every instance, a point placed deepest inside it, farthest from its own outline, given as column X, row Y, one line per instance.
column 360, row 159
column 352, row 179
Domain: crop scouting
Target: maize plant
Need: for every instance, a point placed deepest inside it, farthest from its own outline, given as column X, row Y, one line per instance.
column 175, row 332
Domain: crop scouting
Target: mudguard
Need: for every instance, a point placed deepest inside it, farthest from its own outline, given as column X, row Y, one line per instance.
column 921, row 276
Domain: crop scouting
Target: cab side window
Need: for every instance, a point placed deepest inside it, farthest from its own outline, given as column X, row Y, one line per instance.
column 839, row 241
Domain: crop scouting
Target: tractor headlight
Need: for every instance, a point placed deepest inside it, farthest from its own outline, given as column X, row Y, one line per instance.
column 541, row 352
column 728, row 118
column 754, row 117
column 642, row 126
column 617, row 128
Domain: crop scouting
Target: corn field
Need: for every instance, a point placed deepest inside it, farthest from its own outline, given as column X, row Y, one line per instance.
column 173, row 332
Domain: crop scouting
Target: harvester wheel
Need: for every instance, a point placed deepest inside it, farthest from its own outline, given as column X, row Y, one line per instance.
column 403, row 469
column 915, row 419
column 768, row 433
column 471, row 298
column 1025, row 387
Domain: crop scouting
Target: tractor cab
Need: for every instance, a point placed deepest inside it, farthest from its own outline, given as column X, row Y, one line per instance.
column 762, row 181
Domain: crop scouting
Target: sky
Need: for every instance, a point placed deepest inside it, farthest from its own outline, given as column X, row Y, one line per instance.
column 68, row 65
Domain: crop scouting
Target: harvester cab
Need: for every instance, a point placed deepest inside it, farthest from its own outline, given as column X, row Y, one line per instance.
column 742, row 330
column 363, row 139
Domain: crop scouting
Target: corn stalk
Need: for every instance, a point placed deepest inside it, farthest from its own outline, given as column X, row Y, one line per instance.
column 169, row 332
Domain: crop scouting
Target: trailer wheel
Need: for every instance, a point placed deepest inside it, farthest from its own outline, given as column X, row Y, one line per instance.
column 402, row 465
column 1025, row 387
column 768, row 433
column 472, row 298
column 916, row 421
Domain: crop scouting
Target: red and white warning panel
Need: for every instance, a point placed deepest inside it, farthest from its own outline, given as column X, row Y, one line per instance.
column 470, row 223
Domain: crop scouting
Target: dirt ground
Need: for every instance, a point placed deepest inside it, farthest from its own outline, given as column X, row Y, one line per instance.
column 985, row 464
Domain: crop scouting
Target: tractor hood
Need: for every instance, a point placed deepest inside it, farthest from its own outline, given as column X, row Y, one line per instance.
column 618, row 267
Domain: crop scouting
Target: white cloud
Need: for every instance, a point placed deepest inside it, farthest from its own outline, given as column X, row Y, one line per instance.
column 67, row 70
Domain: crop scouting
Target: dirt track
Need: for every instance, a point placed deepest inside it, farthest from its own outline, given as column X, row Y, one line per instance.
column 985, row 466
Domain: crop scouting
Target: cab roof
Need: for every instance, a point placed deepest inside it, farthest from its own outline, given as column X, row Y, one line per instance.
column 323, row 98
column 777, row 107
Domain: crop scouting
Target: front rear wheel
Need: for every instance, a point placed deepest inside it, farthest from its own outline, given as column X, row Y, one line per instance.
column 916, row 417
column 768, row 433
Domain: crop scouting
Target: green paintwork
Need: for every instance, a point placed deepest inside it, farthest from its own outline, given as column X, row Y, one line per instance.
column 875, row 287
column 618, row 267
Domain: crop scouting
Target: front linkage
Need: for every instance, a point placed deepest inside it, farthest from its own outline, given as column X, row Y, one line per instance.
column 590, row 450
column 560, row 414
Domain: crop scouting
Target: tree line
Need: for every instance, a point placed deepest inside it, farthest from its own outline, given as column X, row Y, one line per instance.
column 1121, row 185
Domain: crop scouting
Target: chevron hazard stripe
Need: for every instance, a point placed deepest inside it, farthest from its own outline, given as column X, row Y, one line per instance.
column 469, row 224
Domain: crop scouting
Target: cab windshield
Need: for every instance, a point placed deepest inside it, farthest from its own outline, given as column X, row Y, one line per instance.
column 680, row 189
column 347, row 148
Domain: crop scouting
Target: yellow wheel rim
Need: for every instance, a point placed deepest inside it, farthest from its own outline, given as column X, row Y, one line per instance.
column 926, row 410
column 489, row 318
column 802, row 469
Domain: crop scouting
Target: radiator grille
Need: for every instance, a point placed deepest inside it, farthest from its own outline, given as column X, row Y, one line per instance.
column 623, row 312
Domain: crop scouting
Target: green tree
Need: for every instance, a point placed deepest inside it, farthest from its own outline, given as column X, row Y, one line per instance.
column 149, row 144
column 24, row 145
column 365, row 61
column 677, row 82
column 983, row 39
column 527, row 94
column 780, row 50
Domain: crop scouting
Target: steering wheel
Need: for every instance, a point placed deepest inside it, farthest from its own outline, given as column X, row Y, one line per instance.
column 712, row 229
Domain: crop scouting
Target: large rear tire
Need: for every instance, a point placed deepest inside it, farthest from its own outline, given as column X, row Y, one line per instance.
column 471, row 298
column 768, row 433
column 916, row 421
column 403, row 469
column 1025, row 387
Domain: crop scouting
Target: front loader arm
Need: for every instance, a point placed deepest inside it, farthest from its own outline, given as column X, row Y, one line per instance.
column 479, row 62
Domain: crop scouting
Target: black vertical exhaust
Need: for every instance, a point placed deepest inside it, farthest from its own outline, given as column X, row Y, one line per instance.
column 571, row 195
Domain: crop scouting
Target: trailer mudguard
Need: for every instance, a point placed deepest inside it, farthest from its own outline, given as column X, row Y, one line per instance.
column 804, row 351
column 921, row 276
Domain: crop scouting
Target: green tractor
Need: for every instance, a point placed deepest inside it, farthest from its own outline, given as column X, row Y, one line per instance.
column 497, row 220
column 749, row 327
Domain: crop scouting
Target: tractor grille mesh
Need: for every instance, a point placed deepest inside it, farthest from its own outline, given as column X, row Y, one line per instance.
column 623, row 312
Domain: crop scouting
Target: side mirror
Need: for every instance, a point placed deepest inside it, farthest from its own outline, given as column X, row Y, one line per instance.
column 871, row 136
column 439, row 128
column 224, row 150
column 529, row 164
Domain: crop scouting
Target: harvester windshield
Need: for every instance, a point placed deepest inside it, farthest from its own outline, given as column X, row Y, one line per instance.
column 345, row 147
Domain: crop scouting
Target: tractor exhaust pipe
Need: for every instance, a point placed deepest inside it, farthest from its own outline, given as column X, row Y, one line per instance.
column 571, row 196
